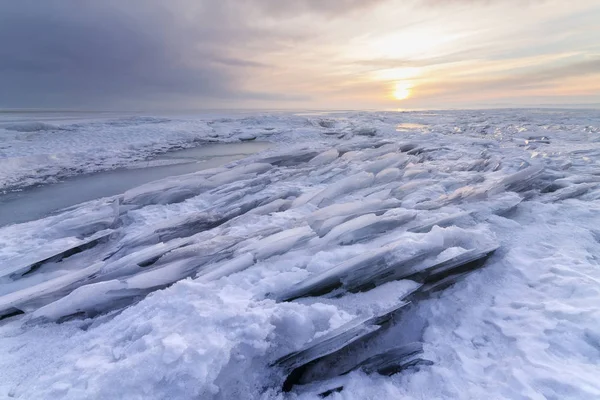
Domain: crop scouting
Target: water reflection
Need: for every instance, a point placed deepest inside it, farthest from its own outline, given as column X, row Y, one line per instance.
column 408, row 126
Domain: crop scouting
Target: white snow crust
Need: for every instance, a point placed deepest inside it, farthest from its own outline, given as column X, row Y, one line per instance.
column 197, row 286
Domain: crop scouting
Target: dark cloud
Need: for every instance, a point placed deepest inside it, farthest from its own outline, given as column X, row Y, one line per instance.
column 71, row 53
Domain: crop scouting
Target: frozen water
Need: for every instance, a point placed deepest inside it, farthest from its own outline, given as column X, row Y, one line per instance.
column 36, row 202
column 456, row 251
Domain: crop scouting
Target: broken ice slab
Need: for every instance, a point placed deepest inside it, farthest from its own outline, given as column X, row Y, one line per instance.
column 95, row 298
column 387, row 363
column 127, row 280
column 280, row 243
column 387, row 175
column 226, row 268
column 327, row 157
column 569, row 192
column 55, row 253
column 393, row 360
column 442, row 222
column 365, row 131
column 291, row 159
column 190, row 224
column 342, row 187
column 85, row 220
column 463, row 262
column 374, row 268
column 243, row 187
column 298, row 367
column 178, row 189
column 363, row 145
column 320, row 366
column 335, row 340
column 423, row 267
column 325, row 219
column 140, row 258
column 357, row 271
column 520, row 181
column 367, row 227
column 20, row 299
column 241, row 172
column 170, row 190
column 402, row 191
column 390, row 160
column 274, row 206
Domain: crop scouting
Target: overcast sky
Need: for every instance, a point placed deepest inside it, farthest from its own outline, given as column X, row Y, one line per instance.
column 332, row 54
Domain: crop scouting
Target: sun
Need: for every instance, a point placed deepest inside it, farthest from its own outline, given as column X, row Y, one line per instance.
column 402, row 91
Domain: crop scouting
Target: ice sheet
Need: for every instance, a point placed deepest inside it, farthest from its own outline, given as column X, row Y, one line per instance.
column 486, row 223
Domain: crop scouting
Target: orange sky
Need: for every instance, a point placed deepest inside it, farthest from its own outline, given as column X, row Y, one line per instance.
column 452, row 54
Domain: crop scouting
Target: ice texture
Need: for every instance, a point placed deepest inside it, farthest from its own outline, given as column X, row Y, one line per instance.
column 455, row 258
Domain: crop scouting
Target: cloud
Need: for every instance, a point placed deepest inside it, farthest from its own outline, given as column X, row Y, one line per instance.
column 68, row 53
column 515, row 83
column 115, row 54
column 325, row 8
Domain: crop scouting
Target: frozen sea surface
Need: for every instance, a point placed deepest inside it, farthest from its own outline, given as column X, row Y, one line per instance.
column 36, row 202
column 417, row 255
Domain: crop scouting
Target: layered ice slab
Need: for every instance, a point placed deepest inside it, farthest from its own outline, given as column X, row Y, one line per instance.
column 436, row 261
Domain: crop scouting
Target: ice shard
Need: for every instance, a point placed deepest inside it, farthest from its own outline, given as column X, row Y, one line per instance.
column 55, row 253
column 367, row 227
column 387, row 264
column 342, row 187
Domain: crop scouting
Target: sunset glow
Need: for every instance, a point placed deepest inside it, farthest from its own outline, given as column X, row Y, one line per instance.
column 402, row 91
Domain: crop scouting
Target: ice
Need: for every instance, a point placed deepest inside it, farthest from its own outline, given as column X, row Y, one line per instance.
column 276, row 205
column 92, row 299
column 392, row 361
column 388, row 175
column 367, row 226
column 131, row 262
column 237, row 264
column 288, row 159
column 392, row 262
column 386, row 161
column 335, row 354
column 388, row 363
column 522, row 180
column 239, row 173
column 326, row 218
column 31, row 127
column 452, row 262
column 167, row 191
column 569, row 192
column 362, row 267
column 281, row 242
column 325, row 345
column 19, row 299
column 85, row 221
column 56, row 251
column 189, row 225
column 177, row 190
column 326, row 157
column 341, row 187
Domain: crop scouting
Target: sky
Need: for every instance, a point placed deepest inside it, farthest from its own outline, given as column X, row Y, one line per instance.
column 298, row 54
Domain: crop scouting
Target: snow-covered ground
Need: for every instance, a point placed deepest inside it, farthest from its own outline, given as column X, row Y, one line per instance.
column 418, row 255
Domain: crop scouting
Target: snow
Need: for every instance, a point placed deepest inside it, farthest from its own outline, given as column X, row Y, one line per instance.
column 455, row 258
